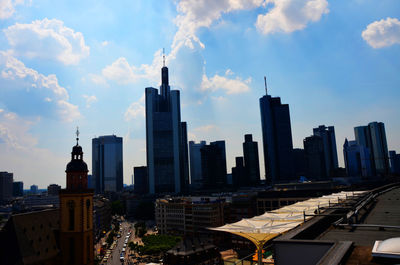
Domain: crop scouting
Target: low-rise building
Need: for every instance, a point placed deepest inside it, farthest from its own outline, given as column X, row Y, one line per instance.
column 189, row 215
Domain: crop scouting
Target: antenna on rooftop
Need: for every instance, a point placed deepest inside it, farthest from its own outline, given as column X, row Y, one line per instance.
column 163, row 55
column 266, row 88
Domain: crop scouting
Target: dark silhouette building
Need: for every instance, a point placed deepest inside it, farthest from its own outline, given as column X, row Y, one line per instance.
column 6, row 186
column 107, row 163
column 53, row 189
column 166, row 139
column 239, row 173
column 394, row 162
column 277, row 139
column 299, row 162
column 213, row 165
column 330, row 151
column 251, row 161
column 141, row 180
column 195, row 164
column 18, row 189
column 314, row 152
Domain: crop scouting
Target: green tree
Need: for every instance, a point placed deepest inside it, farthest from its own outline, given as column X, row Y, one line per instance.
column 110, row 238
column 117, row 208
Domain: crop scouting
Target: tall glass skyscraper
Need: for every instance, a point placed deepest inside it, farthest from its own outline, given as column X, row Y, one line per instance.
column 251, row 162
column 166, row 139
column 277, row 139
column 107, row 167
column 373, row 136
column 327, row 135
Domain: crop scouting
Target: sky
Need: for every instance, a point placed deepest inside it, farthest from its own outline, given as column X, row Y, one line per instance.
column 73, row 63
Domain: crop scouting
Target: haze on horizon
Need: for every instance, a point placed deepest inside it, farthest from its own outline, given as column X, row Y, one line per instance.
column 87, row 63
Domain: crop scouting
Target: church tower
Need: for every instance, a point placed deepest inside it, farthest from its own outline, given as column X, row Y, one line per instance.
column 76, row 213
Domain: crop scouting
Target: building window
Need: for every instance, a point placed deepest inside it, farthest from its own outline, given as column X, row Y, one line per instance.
column 88, row 213
column 71, row 210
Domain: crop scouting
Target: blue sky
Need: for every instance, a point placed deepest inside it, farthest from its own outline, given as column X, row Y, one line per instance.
column 86, row 64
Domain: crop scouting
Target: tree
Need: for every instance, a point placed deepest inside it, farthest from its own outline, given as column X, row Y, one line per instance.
column 110, row 238
column 117, row 208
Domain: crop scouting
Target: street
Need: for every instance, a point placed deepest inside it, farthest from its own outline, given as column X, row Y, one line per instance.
column 116, row 252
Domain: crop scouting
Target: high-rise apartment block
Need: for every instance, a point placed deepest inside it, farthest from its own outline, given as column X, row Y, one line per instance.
column 327, row 135
column 6, row 186
column 251, row 161
column 195, row 164
column 277, row 139
column 18, row 189
column 166, row 139
column 213, row 165
column 107, row 166
column 394, row 162
column 373, row 136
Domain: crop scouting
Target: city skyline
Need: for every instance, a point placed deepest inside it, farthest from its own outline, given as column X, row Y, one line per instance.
column 330, row 65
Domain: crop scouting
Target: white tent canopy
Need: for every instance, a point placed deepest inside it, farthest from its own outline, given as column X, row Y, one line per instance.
column 269, row 225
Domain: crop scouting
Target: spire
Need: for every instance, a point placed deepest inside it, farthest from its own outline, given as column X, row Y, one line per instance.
column 77, row 135
column 265, row 83
column 163, row 55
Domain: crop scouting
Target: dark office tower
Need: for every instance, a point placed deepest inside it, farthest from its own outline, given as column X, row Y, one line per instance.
column 373, row 137
column 394, row 162
column 356, row 159
column 239, row 173
column 277, row 139
column 314, row 152
column 141, row 180
column 195, row 164
column 6, row 186
column 165, row 137
column 18, row 189
column 251, row 162
column 299, row 162
column 107, row 167
column 213, row 165
column 184, row 158
column 330, row 152
column 53, row 189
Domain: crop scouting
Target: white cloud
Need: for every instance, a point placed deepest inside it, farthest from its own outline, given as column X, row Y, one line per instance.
column 19, row 147
column 14, row 131
column 104, row 43
column 206, row 128
column 89, row 100
column 230, row 86
column 382, row 33
column 17, row 77
column 202, row 13
column 97, row 79
column 135, row 110
column 7, row 7
column 47, row 39
column 291, row 15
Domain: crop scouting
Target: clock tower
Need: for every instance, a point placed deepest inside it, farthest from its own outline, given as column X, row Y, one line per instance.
column 76, row 212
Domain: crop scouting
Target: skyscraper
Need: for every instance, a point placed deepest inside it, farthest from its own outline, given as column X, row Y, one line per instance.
column 330, row 151
column 18, row 189
column 195, row 163
column 166, row 139
column 373, row 136
column 277, row 139
column 356, row 159
column 107, row 164
column 6, row 186
column 76, row 213
column 213, row 165
column 315, row 158
column 251, row 162
column 239, row 173
column 141, row 180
